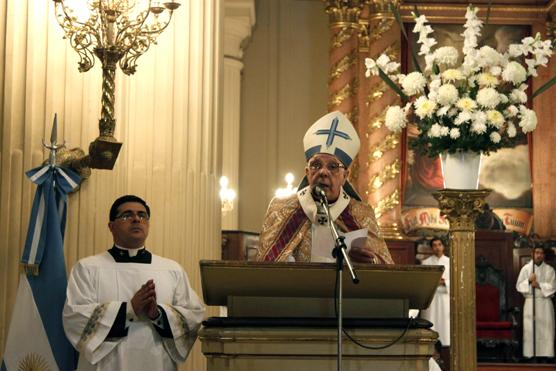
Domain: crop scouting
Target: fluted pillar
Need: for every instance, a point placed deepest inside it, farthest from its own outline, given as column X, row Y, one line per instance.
column 239, row 18
column 461, row 208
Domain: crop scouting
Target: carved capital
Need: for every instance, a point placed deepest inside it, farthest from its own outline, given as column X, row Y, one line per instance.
column 344, row 11
column 382, row 8
column 461, row 207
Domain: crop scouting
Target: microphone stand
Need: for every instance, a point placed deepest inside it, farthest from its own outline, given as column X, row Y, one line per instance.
column 340, row 254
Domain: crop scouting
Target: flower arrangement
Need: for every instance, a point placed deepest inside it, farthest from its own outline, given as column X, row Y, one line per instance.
column 478, row 105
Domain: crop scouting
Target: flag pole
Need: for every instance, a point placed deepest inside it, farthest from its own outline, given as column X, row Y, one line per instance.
column 53, row 146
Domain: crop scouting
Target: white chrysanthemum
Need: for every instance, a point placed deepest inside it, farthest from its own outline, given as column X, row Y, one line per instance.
column 480, row 117
column 435, row 131
column 515, row 50
column 488, row 80
column 514, row 73
column 489, row 57
column 512, row 132
column 446, row 55
column 503, row 98
column 414, row 83
column 495, row 118
column 466, row 104
column 511, row 111
column 452, row 75
column 454, row 133
column 424, row 107
column 435, row 83
column 495, row 137
column 463, row 117
column 528, row 121
column 447, row 95
column 488, row 97
column 453, row 112
column 444, row 130
column 478, row 127
column 395, row 119
column 495, row 70
column 518, row 96
column 443, row 111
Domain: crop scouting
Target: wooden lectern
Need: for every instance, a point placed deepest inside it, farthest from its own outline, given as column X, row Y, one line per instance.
column 281, row 316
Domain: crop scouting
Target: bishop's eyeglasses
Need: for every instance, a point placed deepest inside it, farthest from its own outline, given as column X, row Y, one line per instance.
column 129, row 215
column 333, row 167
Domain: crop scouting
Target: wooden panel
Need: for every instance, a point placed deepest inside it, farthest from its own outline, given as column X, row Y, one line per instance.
column 239, row 245
column 402, row 251
column 496, row 247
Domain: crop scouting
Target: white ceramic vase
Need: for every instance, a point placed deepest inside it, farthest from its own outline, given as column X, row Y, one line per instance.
column 461, row 170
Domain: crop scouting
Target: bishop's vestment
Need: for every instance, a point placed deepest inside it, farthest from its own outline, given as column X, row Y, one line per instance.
column 289, row 225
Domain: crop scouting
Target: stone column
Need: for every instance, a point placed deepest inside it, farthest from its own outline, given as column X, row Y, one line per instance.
column 239, row 18
column 343, row 82
column 382, row 156
column 461, row 208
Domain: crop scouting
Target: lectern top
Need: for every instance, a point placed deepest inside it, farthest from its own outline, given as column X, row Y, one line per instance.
column 222, row 279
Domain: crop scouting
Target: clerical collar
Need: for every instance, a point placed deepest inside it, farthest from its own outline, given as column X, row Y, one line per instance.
column 131, row 252
column 122, row 255
column 311, row 208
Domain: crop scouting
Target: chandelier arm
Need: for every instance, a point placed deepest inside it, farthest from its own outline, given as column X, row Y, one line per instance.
column 137, row 25
column 73, row 22
column 66, row 15
column 140, row 44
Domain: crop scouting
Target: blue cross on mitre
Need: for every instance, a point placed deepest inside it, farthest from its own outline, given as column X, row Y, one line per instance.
column 333, row 132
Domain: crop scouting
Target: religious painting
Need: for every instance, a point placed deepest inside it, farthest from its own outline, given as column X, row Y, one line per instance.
column 507, row 172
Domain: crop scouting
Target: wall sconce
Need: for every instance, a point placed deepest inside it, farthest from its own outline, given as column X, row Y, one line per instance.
column 227, row 195
column 289, row 190
column 117, row 32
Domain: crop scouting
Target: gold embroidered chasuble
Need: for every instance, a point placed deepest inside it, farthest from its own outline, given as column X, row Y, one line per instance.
column 287, row 228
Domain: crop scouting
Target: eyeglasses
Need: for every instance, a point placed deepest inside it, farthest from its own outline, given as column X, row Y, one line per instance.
column 333, row 167
column 129, row 215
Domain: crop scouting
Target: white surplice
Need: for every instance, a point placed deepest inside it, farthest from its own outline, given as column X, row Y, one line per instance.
column 438, row 313
column 544, row 310
column 96, row 289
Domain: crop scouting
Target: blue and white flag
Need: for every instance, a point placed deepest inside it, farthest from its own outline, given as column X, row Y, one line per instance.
column 36, row 339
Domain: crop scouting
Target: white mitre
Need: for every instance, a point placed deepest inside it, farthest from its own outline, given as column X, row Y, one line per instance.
column 333, row 134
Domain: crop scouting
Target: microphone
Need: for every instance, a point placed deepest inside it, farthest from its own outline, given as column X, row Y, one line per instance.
column 319, row 194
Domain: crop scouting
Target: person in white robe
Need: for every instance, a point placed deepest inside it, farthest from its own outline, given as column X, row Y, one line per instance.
column 128, row 309
column 538, row 276
column 438, row 313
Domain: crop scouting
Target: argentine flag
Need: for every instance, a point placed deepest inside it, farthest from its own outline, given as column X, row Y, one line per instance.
column 36, row 339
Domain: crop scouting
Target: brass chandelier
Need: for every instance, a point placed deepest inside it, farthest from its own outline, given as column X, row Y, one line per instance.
column 116, row 32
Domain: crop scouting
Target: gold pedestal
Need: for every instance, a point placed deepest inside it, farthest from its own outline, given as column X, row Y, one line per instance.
column 461, row 207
